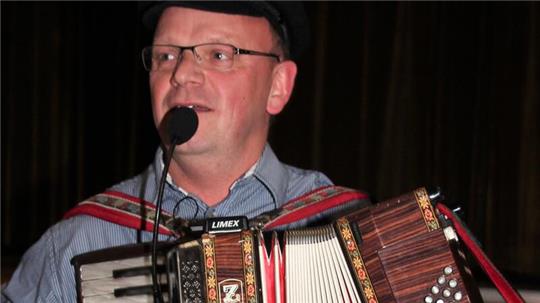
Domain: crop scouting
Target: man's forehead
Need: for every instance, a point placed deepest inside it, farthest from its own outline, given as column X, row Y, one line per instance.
column 200, row 26
column 288, row 19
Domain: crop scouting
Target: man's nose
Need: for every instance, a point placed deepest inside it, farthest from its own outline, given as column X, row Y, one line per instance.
column 187, row 70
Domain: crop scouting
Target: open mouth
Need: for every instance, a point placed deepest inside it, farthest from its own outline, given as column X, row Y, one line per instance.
column 199, row 108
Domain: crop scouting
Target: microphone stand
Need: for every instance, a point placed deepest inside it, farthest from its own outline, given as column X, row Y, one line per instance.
column 180, row 125
column 158, row 295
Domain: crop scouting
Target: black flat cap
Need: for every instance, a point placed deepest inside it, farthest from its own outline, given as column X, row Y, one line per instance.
column 288, row 19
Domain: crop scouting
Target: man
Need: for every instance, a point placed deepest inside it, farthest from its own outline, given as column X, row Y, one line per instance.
column 227, row 168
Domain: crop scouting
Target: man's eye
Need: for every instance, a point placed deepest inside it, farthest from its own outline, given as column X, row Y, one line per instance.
column 220, row 55
column 164, row 57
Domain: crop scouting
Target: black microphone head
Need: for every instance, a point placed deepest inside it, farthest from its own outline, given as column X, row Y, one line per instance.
column 179, row 125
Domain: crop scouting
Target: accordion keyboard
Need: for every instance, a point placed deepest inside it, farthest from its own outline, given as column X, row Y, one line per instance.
column 126, row 280
column 120, row 275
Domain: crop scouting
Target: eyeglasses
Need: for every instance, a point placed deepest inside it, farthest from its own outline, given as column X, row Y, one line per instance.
column 217, row 56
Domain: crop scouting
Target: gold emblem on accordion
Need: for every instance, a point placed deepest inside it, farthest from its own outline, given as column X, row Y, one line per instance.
column 231, row 290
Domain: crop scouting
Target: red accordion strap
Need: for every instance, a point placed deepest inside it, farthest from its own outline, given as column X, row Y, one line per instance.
column 508, row 293
column 122, row 209
column 310, row 204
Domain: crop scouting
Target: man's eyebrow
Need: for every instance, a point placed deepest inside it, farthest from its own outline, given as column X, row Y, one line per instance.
column 219, row 39
column 164, row 39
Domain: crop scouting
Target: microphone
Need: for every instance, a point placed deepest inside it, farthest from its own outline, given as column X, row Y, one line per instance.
column 177, row 127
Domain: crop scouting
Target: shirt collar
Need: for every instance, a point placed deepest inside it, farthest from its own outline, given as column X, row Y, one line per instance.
column 263, row 173
column 273, row 174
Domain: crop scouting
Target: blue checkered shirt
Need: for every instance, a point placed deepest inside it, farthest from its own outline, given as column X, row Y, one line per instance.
column 46, row 275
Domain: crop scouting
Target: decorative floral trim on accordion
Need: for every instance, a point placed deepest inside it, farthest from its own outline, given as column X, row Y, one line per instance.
column 210, row 268
column 426, row 208
column 355, row 258
column 123, row 209
column 249, row 266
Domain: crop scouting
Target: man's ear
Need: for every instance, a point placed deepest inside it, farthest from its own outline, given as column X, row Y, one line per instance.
column 283, row 78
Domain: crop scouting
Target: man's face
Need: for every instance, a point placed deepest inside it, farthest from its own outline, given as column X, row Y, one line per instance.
column 232, row 104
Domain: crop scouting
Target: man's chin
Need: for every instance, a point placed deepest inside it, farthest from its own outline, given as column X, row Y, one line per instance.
column 192, row 147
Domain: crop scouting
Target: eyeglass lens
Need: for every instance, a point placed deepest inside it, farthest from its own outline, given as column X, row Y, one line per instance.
column 165, row 58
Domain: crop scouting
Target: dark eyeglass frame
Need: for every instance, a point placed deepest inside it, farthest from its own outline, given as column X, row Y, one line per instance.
column 181, row 49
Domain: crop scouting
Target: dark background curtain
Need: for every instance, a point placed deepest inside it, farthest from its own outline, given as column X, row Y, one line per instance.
column 392, row 96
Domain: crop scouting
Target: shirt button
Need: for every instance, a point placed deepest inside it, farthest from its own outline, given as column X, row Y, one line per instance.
column 210, row 213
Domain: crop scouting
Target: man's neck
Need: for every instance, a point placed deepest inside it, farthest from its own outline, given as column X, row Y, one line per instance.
column 210, row 178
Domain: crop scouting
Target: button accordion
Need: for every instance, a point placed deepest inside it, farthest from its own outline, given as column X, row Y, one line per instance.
column 399, row 250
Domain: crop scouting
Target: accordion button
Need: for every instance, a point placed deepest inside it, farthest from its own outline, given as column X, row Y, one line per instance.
column 435, row 289
column 440, row 301
column 458, row 296
column 428, row 299
column 448, row 270
column 441, row 280
column 446, row 293
column 452, row 283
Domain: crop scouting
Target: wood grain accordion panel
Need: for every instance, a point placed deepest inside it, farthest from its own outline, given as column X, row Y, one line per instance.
column 407, row 253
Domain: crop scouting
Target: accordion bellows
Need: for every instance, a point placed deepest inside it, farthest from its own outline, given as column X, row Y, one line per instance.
column 399, row 250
